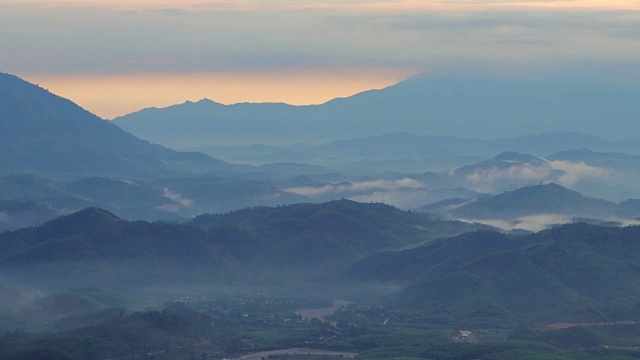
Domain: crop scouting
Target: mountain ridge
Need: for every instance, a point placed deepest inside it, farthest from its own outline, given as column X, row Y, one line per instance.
column 427, row 105
column 257, row 242
column 542, row 199
column 572, row 273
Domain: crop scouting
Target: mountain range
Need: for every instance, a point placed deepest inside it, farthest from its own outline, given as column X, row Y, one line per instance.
column 572, row 273
column 80, row 160
column 94, row 245
column 460, row 107
column 480, row 278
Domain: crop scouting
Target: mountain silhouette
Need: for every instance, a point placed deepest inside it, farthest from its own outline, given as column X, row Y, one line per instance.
column 461, row 107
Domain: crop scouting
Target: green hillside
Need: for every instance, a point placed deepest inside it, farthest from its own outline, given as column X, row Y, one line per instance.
column 95, row 245
column 340, row 229
column 573, row 273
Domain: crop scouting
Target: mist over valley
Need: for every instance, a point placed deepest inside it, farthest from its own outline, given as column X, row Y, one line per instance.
column 115, row 246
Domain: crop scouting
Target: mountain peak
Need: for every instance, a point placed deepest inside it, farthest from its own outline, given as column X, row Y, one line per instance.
column 535, row 199
column 205, row 102
column 90, row 215
column 83, row 221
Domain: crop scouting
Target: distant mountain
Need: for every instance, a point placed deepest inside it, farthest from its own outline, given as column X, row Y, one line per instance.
column 610, row 160
column 460, row 107
column 15, row 214
column 445, row 206
column 506, row 171
column 516, row 164
column 206, row 122
column 164, row 198
column 629, row 209
column 118, row 192
column 606, row 174
column 45, row 134
column 411, row 153
column 534, row 200
column 289, row 169
column 130, row 199
column 573, row 273
column 411, row 146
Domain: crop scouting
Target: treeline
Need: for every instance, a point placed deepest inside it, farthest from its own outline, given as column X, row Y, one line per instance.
column 137, row 335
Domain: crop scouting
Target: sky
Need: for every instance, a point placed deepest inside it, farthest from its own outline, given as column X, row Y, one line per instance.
column 114, row 57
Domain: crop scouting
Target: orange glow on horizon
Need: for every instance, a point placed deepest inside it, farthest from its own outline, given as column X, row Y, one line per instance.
column 115, row 95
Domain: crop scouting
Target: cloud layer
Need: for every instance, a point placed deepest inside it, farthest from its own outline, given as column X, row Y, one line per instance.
column 214, row 36
column 497, row 38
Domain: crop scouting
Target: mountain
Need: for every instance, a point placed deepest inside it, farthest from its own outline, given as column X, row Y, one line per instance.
column 505, row 171
column 45, row 134
column 460, row 107
column 336, row 230
column 515, row 164
column 535, row 200
column 411, row 153
column 608, row 174
column 164, row 198
column 412, row 146
column 572, row 273
column 94, row 245
column 213, row 123
column 287, row 169
column 629, row 208
column 444, row 207
column 15, row 214
column 611, row 160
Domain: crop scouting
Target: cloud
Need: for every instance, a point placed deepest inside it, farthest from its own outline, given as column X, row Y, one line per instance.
column 630, row 222
column 539, row 222
column 177, row 197
column 403, row 193
column 204, row 36
column 535, row 39
column 535, row 222
column 526, row 173
column 576, row 171
column 406, row 198
column 355, row 187
column 565, row 173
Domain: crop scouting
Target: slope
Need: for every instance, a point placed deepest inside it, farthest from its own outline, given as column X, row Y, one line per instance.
column 262, row 243
column 573, row 273
column 340, row 230
column 94, row 246
column 45, row 134
column 536, row 199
